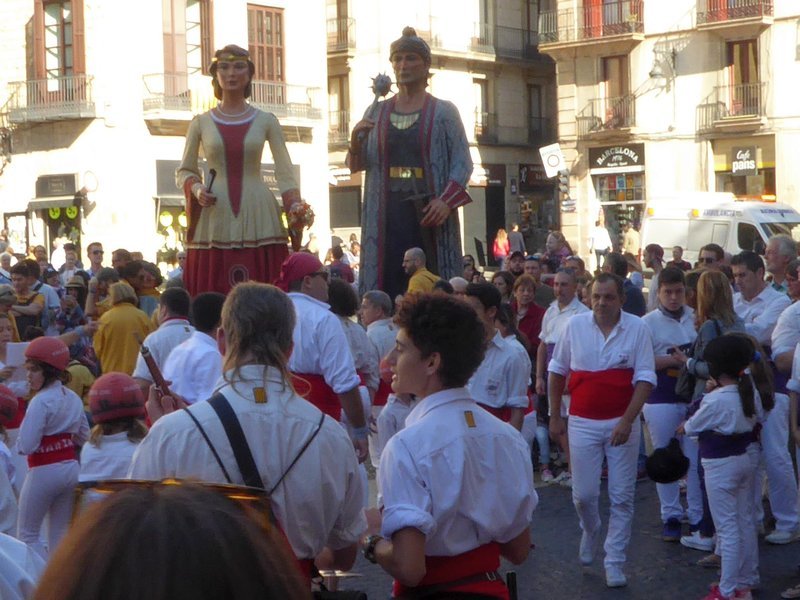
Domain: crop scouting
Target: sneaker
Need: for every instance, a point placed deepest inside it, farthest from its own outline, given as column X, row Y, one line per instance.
column 547, row 475
column 712, row 561
column 698, row 542
column 715, row 594
column 783, row 537
column 589, row 547
column 615, row 577
column 792, row 592
column 672, row 530
column 565, row 479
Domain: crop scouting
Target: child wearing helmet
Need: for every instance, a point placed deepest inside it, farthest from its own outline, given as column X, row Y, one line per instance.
column 727, row 425
column 53, row 425
column 116, row 404
column 8, row 498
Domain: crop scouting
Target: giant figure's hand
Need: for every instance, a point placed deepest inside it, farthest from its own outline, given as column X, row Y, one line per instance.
column 436, row 213
column 360, row 132
column 204, row 197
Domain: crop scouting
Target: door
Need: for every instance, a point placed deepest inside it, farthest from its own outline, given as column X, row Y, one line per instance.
column 495, row 219
column 745, row 86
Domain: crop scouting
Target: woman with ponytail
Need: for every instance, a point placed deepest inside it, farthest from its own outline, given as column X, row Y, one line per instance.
column 726, row 425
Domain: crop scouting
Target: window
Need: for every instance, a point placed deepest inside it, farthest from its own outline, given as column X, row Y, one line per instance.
column 338, row 105
column 617, row 109
column 188, row 38
column 265, row 40
column 536, row 121
column 58, row 40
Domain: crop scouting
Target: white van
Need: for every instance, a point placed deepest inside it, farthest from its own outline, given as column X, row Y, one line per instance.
column 718, row 218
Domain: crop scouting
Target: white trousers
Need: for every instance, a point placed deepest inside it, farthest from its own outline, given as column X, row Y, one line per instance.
column 48, row 491
column 776, row 463
column 589, row 442
column 729, row 483
column 694, row 495
column 662, row 421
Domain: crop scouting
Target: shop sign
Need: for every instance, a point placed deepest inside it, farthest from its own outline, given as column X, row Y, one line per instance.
column 614, row 157
column 532, row 176
column 743, row 161
column 488, row 176
column 569, row 205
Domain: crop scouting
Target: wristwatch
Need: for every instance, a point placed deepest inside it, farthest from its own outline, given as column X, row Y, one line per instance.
column 368, row 547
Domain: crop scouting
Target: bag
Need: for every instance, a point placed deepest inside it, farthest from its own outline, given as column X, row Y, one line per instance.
column 684, row 387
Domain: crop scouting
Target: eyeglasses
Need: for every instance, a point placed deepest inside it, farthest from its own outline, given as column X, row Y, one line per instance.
column 706, row 259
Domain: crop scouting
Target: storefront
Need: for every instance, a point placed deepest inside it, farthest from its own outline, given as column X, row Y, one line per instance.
column 745, row 166
column 539, row 208
column 492, row 180
column 619, row 184
column 54, row 213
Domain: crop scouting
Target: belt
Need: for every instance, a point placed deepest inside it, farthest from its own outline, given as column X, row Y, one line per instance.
column 406, row 172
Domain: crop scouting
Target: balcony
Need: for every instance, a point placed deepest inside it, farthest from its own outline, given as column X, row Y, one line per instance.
column 341, row 35
column 605, row 118
column 458, row 39
column 170, row 101
column 734, row 18
column 53, row 99
column 733, row 108
column 541, row 131
column 613, row 27
column 338, row 128
column 489, row 133
column 517, row 44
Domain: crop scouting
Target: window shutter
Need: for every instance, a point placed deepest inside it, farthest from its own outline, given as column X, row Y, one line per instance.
column 78, row 38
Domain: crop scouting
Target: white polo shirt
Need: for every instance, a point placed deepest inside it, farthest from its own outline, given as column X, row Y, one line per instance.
column 584, row 348
column 761, row 313
column 556, row 318
column 318, row 504
column 458, row 475
column 786, row 334
column 160, row 343
column 502, row 378
column 319, row 344
column 194, row 367
column 667, row 332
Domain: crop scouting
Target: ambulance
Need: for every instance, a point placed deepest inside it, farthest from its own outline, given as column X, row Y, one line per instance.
column 694, row 220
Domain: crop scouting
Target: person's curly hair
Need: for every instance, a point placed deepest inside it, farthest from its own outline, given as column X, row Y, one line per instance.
column 446, row 325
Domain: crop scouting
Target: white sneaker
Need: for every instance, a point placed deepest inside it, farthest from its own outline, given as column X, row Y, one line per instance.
column 564, row 479
column 547, row 475
column 783, row 537
column 615, row 577
column 698, row 542
column 589, row 546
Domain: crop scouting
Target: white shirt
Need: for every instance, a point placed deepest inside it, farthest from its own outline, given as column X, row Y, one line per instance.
column 600, row 239
column 319, row 341
column 556, row 318
column 383, row 334
column 365, row 355
column 652, row 293
column 667, row 332
column 8, row 498
column 502, row 378
column 584, row 348
column 458, row 475
column 319, row 503
column 160, row 343
column 110, row 460
column 761, row 313
column 794, row 381
column 194, row 367
column 721, row 411
column 53, row 410
column 392, row 419
column 20, row 569
column 786, row 334
column 67, row 275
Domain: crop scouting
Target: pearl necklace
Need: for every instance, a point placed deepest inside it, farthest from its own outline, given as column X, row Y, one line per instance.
column 230, row 116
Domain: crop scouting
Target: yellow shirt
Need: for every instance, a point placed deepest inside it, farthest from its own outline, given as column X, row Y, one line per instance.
column 115, row 342
column 80, row 381
column 422, row 281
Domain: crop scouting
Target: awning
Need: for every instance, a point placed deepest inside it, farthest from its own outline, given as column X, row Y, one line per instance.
column 167, row 201
column 51, row 202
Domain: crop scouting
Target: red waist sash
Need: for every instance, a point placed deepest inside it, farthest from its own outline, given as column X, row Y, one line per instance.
column 600, row 394
column 53, row 449
column 503, row 413
column 382, row 395
column 439, row 570
column 313, row 388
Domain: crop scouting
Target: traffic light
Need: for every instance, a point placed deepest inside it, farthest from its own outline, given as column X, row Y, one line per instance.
column 563, row 184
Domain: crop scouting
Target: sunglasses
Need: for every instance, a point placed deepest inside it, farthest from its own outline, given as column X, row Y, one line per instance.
column 707, row 259
column 98, row 252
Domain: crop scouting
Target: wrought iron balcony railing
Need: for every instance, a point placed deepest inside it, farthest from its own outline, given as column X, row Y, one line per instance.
column 603, row 114
column 55, row 98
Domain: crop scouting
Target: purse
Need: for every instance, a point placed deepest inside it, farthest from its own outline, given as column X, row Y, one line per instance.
column 684, row 387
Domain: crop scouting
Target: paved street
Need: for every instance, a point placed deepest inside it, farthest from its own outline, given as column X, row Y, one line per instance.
column 655, row 569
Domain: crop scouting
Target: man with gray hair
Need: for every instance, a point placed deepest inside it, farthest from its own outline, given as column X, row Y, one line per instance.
column 781, row 250
column 5, row 268
column 421, row 280
column 459, row 286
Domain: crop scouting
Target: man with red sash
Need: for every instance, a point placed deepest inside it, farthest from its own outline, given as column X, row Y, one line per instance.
column 608, row 355
column 321, row 362
column 443, row 532
column 500, row 384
